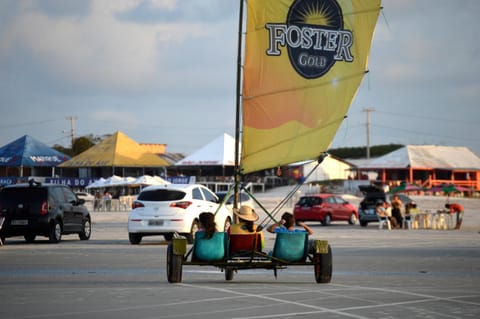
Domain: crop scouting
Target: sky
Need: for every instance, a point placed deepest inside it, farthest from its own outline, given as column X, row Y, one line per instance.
column 164, row 71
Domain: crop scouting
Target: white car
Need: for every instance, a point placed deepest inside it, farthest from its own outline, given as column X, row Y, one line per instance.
column 244, row 199
column 174, row 208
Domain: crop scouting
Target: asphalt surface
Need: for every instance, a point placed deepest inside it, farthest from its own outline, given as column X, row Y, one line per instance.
column 376, row 274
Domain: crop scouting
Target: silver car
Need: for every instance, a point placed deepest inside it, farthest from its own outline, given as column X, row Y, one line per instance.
column 174, row 208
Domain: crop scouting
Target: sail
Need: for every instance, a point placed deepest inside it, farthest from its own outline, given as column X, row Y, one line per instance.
column 304, row 61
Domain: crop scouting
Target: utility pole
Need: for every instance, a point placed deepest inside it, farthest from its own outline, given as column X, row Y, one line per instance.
column 72, row 128
column 368, row 110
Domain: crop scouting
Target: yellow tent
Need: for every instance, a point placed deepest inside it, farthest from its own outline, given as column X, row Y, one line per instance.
column 116, row 151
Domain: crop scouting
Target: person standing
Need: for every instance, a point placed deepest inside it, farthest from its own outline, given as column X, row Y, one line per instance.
column 397, row 211
column 458, row 209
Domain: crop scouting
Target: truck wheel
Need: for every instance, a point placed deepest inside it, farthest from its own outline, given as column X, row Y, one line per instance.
column 134, row 239
column 30, row 238
column 55, row 234
column 86, row 230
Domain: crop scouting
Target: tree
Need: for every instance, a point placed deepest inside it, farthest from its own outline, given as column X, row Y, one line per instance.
column 81, row 144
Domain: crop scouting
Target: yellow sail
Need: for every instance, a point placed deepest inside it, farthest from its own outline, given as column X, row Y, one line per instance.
column 304, row 62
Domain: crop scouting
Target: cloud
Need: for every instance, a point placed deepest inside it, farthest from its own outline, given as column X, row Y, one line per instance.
column 99, row 51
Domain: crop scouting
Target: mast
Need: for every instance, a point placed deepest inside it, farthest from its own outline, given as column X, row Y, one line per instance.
column 238, row 107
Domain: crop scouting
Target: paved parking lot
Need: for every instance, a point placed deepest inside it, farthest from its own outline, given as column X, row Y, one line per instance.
column 376, row 274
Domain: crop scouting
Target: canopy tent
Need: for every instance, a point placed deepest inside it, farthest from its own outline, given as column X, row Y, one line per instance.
column 147, row 180
column 212, row 159
column 114, row 180
column 116, row 151
column 28, row 152
column 219, row 152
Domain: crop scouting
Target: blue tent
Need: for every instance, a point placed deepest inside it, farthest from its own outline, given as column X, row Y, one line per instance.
column 28, row 152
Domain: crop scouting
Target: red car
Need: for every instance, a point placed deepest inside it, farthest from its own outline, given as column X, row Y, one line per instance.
column 325, row 208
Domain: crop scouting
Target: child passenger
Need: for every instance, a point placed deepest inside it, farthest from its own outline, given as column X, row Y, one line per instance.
column 287, row 224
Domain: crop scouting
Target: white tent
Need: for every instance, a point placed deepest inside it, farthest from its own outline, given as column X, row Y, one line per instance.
column 146, row 180
column 427, row 156
column 219, row 152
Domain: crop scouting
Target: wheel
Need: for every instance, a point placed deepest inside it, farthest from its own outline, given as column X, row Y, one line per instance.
column 168, row 236
column 229, row 272
column 55, row 234
column 174, row 266
column 323, row 267
column 327, row 220
column 86, row 230
column 191, row 235
column 353, row 219
column 227, row 224
column 30, row 238
column 363, row 223
column 135, row 239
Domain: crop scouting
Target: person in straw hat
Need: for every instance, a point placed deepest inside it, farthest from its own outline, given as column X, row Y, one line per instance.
column 247, row 218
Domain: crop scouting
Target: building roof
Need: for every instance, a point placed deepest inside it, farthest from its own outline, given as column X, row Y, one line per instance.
column 219, row 152
column 428, row 157
column 116, row 151
column 27, row 151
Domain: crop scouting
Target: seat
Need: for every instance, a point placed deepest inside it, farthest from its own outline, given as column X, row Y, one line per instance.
column 211, row 249
column 407, row 222
column 384, row 222
column 244, row 244
column 292, row 247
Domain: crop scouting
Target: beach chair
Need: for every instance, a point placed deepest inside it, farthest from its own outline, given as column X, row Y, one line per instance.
column 211, row 249
column 291, row 247
column 244, row 244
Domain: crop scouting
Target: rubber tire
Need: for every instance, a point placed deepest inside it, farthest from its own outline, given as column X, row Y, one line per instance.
column 55, row 233
column 327, row 220
column 363, row 223
column 191, row 235
column 229, row 272
column 134, row 239
column 174, row 266
column 86, row 230
column 353, row 219
column 323, row 267
column 227, row 224
column 168, row 236
column 30, row 238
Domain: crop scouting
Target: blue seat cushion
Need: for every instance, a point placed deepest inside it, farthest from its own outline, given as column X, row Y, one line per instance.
column 291, row 246
column 210, row 249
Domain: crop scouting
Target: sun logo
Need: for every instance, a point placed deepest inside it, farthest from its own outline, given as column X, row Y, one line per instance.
column 315, row 15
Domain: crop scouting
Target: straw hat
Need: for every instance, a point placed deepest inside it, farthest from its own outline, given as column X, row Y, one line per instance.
column 246, row 213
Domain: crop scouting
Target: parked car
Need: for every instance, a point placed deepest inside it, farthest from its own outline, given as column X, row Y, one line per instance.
column 35, row 209
column 173, row 208
column 324, row 208
column 244, row 199
column 373, row 194
column 85, row 196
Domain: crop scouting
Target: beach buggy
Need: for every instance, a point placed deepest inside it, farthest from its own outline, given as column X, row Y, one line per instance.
column 303, row 63
column 234, row 252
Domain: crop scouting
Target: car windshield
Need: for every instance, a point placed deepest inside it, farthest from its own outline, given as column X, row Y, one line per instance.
column 310, row 201
column 161, row 195
column 11, row 197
